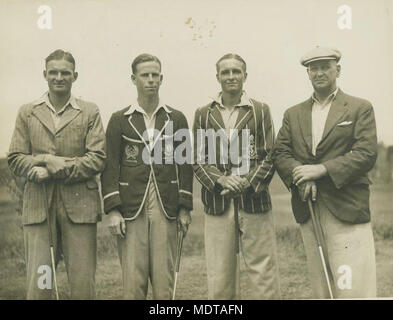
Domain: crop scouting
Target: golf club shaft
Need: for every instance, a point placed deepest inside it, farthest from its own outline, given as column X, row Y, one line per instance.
column 51, row 246
column 178, row 256
column 174, row 287
column 237, row 244
column 318, row 236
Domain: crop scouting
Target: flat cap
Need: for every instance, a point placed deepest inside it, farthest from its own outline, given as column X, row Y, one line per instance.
column 320, row 53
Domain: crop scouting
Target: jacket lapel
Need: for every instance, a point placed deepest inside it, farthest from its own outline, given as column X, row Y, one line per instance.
column 336, row 112
column 42, row 113
column 305, row 122
column 162, row 120
column 68, row 115
column 215, row 118
column 245, row 113
column 138, row 124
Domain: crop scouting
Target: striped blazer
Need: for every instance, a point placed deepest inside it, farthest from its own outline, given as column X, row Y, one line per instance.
column 79, row 135
column 254, row 116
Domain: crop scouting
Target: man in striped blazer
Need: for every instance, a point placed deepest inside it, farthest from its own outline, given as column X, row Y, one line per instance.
column 233, row 136
column 58, row 145
column 147, row 190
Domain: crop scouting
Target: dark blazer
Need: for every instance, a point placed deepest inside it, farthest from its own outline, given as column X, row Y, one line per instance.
column 348, row 150
column 126, row 176
column 79, row 135
column 254, row 116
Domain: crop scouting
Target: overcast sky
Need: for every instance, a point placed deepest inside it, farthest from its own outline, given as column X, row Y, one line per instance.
column 189, row 37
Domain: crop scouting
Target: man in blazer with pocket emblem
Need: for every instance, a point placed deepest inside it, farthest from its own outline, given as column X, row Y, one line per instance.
column 58, row 145
column 147, row 191
column 324, row 149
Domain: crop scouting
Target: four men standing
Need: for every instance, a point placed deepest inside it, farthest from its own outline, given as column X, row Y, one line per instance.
column 323, row 151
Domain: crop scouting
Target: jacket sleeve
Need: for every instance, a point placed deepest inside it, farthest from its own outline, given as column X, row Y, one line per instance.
column 206, row 174
column 20, row 158
column 260, row 176
column 282, row 154
column 93, row 161
column 184, row 170
column 110, row 176
column 344, row 169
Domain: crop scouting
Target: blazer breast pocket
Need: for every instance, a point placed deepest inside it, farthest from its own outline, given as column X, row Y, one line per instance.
column 344, row 124
column 344, row 128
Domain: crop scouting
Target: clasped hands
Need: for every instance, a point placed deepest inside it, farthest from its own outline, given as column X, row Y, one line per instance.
column 54, row 167
column 304, row 178
column 233, row 185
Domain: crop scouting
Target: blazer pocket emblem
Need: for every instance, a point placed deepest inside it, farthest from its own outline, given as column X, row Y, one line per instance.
column 345, row 123
column 253, row 151
column 131, row 152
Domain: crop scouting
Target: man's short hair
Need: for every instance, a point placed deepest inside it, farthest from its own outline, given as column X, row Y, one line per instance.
column 60, row 54
column 144, row 57
column 231, row 56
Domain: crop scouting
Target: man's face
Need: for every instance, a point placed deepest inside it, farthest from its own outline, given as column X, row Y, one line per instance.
column 231, row 75
column 60, row 75
column 147, row 78
column 323, row 74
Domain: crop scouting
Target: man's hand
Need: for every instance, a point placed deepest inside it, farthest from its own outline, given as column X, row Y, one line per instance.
column 184, row 220
column 306, row 189
column 232, row 182
column 117, row 224
column 244, row 185
column 38, row 174
column 59, row 167
column 308, row 172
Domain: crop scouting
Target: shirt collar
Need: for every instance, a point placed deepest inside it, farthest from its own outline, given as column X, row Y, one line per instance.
column 244, row 100
column 328, row 99
column 45, row 99
column 136, row 107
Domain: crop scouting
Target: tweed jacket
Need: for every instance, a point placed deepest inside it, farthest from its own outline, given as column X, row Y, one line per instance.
column 132, row 163
column 79, row 135
column 255, row 117
column 348, row 150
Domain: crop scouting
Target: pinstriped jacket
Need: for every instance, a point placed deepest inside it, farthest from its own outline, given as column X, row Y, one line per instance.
column 126, row 178
column 79, row 135
column 254, row 116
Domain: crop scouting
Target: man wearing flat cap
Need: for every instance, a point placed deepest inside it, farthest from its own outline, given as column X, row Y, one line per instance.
column 323, row 151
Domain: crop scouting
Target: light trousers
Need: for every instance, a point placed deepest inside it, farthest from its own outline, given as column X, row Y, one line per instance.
column 258, row 249
column 78, row 244
column 148, row 251
column 350, row 255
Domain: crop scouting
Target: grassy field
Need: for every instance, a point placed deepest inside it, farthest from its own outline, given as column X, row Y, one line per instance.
column 192, row 278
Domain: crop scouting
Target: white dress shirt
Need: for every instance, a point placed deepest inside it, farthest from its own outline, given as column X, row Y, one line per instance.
column 150, row 121
column 319, row 114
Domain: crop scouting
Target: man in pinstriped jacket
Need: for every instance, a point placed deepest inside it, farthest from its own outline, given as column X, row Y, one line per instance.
column 219, row 170
column 59, row 145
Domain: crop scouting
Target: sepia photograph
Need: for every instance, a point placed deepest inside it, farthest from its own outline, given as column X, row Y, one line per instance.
column 196, row 150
